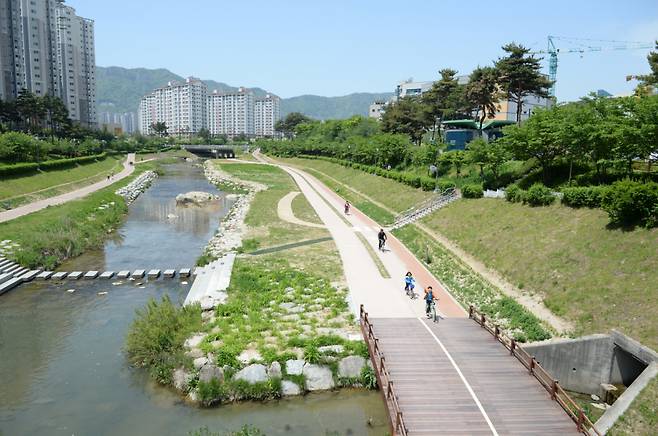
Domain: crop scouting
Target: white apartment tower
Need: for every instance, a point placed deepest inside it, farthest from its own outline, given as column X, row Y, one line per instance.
column 47, row 49
column 231, row 113
column 267, row 111
column 182, row 106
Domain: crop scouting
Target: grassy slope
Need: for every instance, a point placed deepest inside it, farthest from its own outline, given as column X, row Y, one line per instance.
column 74, row 178
column 597, row 277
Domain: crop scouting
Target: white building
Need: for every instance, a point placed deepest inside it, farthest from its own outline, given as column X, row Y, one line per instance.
column 182, row 106
column 267, row 111
column 377, row 109
column 410, row 88
column 48, row 50
column 231, row 113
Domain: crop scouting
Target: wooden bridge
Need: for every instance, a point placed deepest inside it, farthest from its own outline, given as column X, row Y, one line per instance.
column 463, row 376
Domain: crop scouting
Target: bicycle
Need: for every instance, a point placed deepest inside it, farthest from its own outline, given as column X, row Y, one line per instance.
column 433, row 315
column 410, row 292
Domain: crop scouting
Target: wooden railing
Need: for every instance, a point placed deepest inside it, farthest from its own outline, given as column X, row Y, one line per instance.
column 535, row 369
column 383, row 377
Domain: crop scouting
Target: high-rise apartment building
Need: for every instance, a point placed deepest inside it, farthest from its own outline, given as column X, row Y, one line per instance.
column 231, row 113
column 267, row 111
column 47, row 49
column 182, row 106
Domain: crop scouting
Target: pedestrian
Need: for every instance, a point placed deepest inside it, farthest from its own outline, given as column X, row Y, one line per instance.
column 382, row 239
column 347, row 207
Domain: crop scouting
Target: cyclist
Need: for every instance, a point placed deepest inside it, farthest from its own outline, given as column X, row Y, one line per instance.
column 409, row 284
column 429, row 299
column 382, row 239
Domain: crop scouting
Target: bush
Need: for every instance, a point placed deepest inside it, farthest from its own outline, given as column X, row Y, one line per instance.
column 539, row 195
column 588, row 196
column 472, row 191
column 26, row 168
column 514, row 194
column 444, row 185
column 427, row 184
column 156, row 336
column 629, row 203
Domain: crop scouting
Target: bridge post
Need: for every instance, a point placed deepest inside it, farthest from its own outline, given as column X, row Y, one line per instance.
column 470, row 311
column 482, row 320
column 532, row 365
column 554, row 390
column 512, row 346
column 496, row 331
column 581, row 419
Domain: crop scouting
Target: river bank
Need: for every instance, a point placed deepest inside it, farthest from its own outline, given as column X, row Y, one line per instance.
column 282, row 331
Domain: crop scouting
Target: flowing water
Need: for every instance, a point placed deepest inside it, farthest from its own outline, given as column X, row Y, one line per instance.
column 62, row 366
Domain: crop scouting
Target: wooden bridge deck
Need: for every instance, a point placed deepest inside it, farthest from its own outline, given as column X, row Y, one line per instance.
column 454, row 378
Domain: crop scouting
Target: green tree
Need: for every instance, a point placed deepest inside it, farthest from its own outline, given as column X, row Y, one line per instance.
column 205, row 135
column 408, row 116
column 288, row 125
column 483, row 93
column 160, row 128
column 445, row 99
column 520, row 76
column 648, row 81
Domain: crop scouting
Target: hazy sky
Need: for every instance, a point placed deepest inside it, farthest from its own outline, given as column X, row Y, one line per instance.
column 294, row 47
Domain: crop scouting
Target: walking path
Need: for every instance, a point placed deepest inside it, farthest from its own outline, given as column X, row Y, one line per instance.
column 128, row 168
column 284, row 210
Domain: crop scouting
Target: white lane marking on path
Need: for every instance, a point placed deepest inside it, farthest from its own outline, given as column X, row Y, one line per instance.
column 468, row 386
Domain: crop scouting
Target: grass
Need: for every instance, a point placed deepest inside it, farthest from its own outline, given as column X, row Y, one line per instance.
column 17, row 191
column 642, row 416
column 373, row 255
column 52, row 235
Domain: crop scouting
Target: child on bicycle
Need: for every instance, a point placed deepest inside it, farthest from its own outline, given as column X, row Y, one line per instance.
column 429, row 299
column 409, row 283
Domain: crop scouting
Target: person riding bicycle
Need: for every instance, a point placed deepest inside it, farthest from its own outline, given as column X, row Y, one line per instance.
column 382, row 239
column 429, row 299
column 409, row 283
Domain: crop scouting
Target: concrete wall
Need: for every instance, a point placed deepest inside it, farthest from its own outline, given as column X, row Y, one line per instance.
column 580, row 365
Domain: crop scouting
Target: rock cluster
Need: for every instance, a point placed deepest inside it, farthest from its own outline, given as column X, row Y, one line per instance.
column 132, row 190
column 7, row 247
column 195, row 198
column 232, row 229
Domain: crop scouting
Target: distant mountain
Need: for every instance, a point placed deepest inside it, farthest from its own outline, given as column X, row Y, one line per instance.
column 120, row 89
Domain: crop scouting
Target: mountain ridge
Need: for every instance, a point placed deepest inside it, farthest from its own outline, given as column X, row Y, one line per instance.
column 119, row 90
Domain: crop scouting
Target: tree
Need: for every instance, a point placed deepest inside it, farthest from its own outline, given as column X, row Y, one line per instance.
column 650, row 80
column 520, row 76
column 409, row 116
column 204, row 134
column 160, row 128
column 445, row 99
column 483, row 93
column 288, row 125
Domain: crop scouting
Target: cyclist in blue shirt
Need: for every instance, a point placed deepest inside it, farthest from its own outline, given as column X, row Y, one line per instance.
column 429, row 299
column 409, row 283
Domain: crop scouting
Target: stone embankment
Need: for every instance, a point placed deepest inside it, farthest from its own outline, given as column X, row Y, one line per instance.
column 232, row 229
column 131, row 191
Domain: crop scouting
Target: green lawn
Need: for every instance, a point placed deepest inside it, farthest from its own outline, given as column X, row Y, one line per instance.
column 21, row 190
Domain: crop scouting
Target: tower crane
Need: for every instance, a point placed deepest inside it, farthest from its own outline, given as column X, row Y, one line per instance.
column 582, row 46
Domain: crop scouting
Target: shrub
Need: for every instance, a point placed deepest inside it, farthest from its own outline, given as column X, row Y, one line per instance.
column 212, row 392
column 514, row 194
column 427, row 184
column 368, row 377
column 311, row 353
column 587, row 196
column 629, row 203
column 472, row 191
column 539, row 195
column 156, row 336
column 445, row 185
column 26, row 168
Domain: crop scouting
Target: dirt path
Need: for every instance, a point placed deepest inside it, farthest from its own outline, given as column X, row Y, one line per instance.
column 128, row 168
column 285, row 212
column 532, row 302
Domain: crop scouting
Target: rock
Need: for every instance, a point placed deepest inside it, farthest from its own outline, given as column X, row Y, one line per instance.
column 287, row 306
column 195, row 198
column 195, row 340
column 351, row 366
column 249, row 356
column 199, row 362
column 318, row 378
column 595, row 397
column 291, row 317
column 193, row 396
column 210, row 372
column 255, row 373
column 289, row 389
column 194, row 353
column 295, row 367
column 181, row 379
column 331, row 349
column 274, row 371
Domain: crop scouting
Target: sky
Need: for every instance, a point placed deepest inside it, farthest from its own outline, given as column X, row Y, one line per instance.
column 338, row 47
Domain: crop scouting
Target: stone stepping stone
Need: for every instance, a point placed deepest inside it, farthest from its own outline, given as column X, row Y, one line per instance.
column 169, row 273
column 59, row 275
column 5, row 262
column 5, row 278
column 45, row 275
column 91, row 275
column 10, row 284
column 123, row 274
column 75, row 275
column 185, row 272
column 12, row 269
column 107, row 275
column 29, row 276
column 154, row 274
column 139, row 274
column 20, row 272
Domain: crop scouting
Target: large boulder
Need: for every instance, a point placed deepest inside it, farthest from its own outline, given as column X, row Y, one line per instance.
column 290, row 389
column 195, row 341
column 209, row 372
column 181, row 379
column 350, row 367
column 250, row 355
column 318, row 378
column 256, row 373
column 200, row 362
column 274, row 371
column 295, row 367
column 195, row 198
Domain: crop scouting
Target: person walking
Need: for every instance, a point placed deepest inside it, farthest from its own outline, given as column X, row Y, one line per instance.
column 347, row 207
column 382, row 239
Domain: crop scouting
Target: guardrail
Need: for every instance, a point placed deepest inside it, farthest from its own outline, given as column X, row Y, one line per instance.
column 558, row 394
column 383, row 378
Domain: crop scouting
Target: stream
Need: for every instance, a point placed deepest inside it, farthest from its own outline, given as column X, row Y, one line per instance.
column 63, row 370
